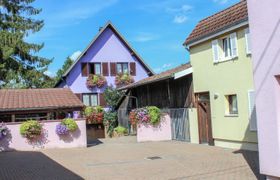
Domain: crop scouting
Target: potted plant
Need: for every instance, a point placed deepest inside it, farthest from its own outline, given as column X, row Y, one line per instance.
column 146, row 115
column 67, row 125
column 120, row 131
column 95, row 81
column 94, row 115
column 123, row 79
column 31, row 129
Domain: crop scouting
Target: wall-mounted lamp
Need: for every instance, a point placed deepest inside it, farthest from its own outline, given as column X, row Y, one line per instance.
column 216, row 95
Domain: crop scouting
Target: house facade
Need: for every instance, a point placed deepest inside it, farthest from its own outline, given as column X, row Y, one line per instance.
column 220, row 55
column 108, row 55
column 264, row 19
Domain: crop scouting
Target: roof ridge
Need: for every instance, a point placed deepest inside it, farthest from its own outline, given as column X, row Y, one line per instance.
column 224, row 19
column 219, row 12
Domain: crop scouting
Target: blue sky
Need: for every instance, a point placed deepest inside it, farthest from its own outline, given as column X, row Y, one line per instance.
column 156, row 29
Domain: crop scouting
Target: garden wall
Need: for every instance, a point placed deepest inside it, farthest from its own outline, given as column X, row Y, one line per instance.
column 48, row 139
column 161, row 132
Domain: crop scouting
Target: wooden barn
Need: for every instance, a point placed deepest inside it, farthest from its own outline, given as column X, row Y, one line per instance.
column 171, row 91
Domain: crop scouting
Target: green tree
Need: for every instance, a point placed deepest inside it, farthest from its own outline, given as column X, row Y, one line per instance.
column 20, row 66
column 67, row 63
column 112, row 97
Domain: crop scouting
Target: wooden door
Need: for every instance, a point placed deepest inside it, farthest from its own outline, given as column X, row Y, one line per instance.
column 204, row 118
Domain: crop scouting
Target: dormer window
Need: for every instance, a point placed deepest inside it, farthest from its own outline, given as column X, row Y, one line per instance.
column 122, row 68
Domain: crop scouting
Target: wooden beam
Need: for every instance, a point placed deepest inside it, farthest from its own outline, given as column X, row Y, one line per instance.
column 148, row 95
column 168, row 91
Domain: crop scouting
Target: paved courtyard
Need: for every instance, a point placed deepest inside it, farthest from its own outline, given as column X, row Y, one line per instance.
column 123, row 158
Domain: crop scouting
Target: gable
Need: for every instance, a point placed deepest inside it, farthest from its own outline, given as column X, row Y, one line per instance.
column 108, row 43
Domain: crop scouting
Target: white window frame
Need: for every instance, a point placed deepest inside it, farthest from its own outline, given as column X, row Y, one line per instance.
column 89, row 96
column 218, row 50
column 227, row 105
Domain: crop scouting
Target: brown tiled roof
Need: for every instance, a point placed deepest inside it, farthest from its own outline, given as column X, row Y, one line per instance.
column 158, row 77
column 37, row 99
column 218, row 22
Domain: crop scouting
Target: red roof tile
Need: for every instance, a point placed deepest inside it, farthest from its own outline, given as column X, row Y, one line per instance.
column 222, row 20
column 35, row 99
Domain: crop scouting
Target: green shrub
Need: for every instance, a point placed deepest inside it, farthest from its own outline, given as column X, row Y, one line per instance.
column 121, row 130
column 70, row 124
column 88, row 110
column 98, row 109
column 154, row 114
column 30, row 129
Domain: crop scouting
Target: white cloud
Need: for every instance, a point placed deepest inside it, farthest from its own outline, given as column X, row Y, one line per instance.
column 179, row 19
column 179, row 11
column 49, row 73
column 221, row 1
column 183, row 9
column 164, row 67
column 145, row 37
column 75, row 55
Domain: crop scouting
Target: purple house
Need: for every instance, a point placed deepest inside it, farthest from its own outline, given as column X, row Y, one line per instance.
column 108, row 55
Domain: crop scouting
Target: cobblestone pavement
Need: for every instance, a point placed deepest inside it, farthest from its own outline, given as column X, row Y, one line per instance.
column 123, row 158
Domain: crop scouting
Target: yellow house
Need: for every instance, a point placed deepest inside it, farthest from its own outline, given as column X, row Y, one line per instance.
column 219, row 49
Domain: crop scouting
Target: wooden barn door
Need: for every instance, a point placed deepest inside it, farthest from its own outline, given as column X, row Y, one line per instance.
column 204, row 118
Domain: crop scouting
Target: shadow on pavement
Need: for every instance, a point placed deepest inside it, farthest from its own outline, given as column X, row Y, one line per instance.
column 252, row 160
column 94, row 143
column 32, row 165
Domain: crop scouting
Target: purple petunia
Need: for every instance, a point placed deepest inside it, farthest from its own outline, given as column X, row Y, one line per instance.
column 61, row 129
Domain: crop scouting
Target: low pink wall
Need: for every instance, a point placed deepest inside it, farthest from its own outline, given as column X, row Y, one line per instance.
column 48, row 139
column 161, row 132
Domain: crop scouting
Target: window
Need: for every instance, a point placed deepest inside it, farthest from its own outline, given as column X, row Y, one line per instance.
column 90, row 99
column 225, row 48
column 231, row 105
column 95, row 68
column 248, row 41
column 122, row 68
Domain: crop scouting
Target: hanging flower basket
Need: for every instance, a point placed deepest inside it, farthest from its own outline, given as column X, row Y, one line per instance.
column 146, row 115
column 94, row 115
column 31, row 129
column 123, row 79
column 95, row 81
column 66, row 126
column 3, row 131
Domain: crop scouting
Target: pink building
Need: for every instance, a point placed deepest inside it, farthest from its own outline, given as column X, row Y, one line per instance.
column 264, row 22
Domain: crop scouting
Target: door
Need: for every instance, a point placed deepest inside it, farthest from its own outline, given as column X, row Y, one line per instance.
column 204, row 118
column 180, row 124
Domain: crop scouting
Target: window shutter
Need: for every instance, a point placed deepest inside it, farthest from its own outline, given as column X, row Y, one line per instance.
column 252, row 111
column 113, row 69
column 132, row 69
column 105, row 69
column 247, row 39
column 233, row 43
column 215, row 49
column 84, row 69
column 102, row 101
